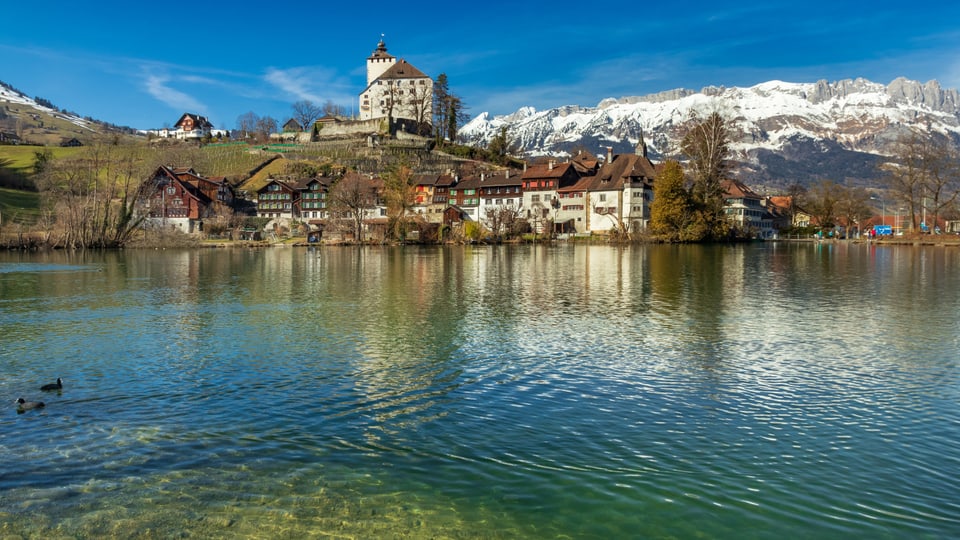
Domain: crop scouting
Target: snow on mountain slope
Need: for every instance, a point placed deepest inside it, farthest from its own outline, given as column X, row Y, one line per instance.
column 13, row 97
column 768, row 122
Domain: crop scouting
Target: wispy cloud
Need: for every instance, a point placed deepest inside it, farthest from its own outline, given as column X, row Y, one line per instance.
column 294, row 81
column 311, row 83
column 158, row 87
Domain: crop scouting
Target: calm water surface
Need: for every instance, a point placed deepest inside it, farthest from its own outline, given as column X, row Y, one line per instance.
column 756, row 391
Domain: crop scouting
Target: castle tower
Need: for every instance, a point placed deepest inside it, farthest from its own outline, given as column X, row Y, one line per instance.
column 378, row 62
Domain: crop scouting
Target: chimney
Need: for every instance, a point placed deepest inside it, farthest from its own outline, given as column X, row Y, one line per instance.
column 506, row 174
column 609, row 154
column 550, row 165
column 482, row 175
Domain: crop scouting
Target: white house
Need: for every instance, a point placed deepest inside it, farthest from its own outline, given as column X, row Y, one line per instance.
column 619, row 195
column 395, row 89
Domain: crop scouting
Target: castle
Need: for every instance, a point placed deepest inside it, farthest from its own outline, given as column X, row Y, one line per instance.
column 395, row 90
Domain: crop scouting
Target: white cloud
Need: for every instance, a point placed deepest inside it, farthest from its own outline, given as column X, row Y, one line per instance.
column 157, row 87
column 294, row 81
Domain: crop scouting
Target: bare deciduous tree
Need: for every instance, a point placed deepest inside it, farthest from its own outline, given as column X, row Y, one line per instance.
column 706, row 146
column 350, row 197
column 306, row 113
column 399, row 192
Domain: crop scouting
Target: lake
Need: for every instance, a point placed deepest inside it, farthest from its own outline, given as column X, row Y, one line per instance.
column 771, row 390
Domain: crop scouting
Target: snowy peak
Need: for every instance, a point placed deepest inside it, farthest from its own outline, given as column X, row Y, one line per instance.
column 770, row 123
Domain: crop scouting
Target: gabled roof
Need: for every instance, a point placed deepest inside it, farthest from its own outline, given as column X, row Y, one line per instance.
column 738, row 190
column 446, row 180
column 191, row 189
column 585, row 162
column 402, row 70
column 500, row 178
column 622, row 169
column 284, row 183
column 557, row 170
column 469, row 182
column 199, row 122
column 425, row 179
column 582, row 184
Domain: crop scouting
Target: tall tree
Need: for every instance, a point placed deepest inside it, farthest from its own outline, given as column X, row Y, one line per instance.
column 499, row 146
column 797, row 194
column 448, row 111
column 823, row 202
column 941, row 185
column 671, row 209
column 441, row 95
column 421, row 105
column 306, row 113
column 706, row 146
column 264, row 127
column 351, row 197
column 852, row 207
column 906, row 175
column 399, row 192
column 247, row 124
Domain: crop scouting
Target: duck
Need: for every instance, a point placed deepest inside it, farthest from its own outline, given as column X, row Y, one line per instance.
column 24, row 405
column 53, row 386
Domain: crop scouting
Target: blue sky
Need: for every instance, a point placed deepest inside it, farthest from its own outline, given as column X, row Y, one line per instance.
column 143, row 64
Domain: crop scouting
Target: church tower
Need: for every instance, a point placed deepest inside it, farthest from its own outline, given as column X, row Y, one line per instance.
column 378, row 62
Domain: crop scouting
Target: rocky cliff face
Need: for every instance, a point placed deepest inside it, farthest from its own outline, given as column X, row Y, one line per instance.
column 782, row 132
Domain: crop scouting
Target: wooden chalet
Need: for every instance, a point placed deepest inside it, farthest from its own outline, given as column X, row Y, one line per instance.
column 193, row 126
column 465, row 196
column 311, row 204
column 169, row 201
column 276, row 199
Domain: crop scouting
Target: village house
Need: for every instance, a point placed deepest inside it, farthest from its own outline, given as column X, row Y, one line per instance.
column 786, row 213
column 431, row 195
column 745, row 209
column 190, row 127
column 275, row 200
column 500, row 191
column 180, row 199
column 217, row 188
column 465, row 197
column 618, row 197
column 540, row 185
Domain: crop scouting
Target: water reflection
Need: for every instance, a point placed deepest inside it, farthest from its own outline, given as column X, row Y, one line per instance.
column 511, row 391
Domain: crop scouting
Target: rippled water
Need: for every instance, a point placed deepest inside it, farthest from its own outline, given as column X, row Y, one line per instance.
column 756, row 391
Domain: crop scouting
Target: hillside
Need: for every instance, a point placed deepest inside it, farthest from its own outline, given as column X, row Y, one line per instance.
column 37, row 121
column 782, row 132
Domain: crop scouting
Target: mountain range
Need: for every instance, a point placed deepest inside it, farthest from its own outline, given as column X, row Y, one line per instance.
column 781, row 133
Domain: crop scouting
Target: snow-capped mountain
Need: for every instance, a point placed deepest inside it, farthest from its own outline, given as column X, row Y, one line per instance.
column 781, row 132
